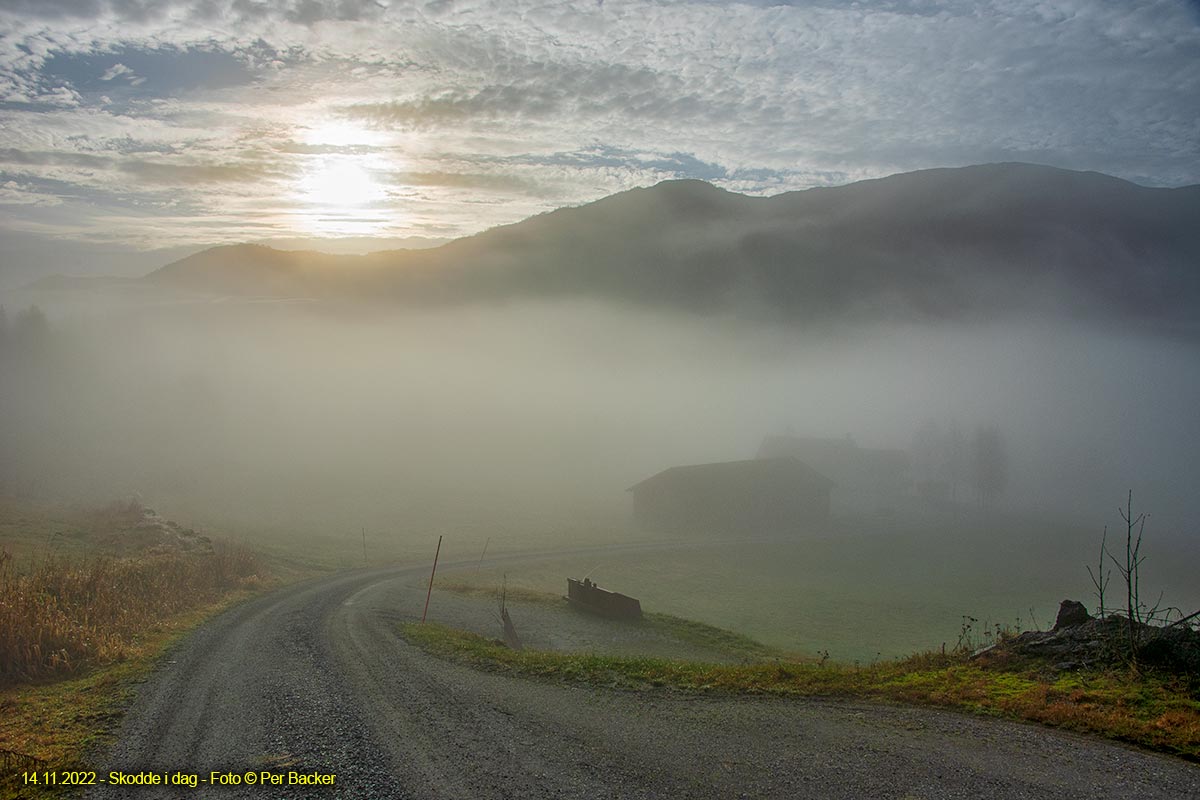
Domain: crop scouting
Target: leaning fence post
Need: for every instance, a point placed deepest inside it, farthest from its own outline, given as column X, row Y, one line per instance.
column 431, row 574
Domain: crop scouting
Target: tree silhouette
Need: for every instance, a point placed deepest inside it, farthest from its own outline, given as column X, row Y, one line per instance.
column 30, row 330
column 989, row 465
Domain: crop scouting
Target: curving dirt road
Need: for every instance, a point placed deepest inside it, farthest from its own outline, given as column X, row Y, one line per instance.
column 313, row 679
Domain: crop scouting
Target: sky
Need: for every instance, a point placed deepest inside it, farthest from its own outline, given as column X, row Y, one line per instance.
column 134, row 126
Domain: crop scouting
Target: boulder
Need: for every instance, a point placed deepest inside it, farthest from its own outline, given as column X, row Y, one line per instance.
column 1070, row 614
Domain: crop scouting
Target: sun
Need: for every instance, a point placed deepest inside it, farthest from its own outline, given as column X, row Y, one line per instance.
column 340, row 184
column 342, row 179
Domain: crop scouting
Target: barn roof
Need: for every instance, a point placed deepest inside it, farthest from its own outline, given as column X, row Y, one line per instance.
column 738, row 471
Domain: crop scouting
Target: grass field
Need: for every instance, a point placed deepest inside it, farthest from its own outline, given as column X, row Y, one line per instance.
column 868, row 590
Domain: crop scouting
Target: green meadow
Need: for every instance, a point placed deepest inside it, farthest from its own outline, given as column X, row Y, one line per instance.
column 867, row 589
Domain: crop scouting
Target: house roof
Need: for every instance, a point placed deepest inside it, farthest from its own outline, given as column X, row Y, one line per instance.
column 725, row 472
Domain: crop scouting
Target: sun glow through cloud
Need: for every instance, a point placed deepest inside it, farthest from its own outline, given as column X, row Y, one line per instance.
column 341, row 189
column 340, row 196
column 341, row 185
column 341, row 192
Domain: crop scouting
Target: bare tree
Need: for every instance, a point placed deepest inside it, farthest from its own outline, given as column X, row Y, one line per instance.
column 1138, row 614
column 1101, row 576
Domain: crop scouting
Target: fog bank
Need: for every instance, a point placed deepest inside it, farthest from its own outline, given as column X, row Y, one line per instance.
column 302, row 417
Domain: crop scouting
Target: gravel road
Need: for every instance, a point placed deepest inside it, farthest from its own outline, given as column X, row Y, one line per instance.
column 314, row 679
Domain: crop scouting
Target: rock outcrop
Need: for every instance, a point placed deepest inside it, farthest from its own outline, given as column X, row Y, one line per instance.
column 1079, row 640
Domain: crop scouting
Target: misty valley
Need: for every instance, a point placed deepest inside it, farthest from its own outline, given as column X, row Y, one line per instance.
column 296, row 427
column 822, row 471
column 575, row 400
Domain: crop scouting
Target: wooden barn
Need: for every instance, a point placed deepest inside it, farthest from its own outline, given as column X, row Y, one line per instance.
column 761, row 497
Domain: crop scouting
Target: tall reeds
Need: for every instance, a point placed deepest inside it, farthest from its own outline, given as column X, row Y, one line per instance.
column 61, row 616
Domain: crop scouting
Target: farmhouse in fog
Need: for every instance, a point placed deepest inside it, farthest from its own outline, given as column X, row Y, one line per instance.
column 743, row 498
column 865, row 479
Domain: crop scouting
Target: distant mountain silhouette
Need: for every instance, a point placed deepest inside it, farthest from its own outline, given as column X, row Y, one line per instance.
column 254, row 269
column 971, row 242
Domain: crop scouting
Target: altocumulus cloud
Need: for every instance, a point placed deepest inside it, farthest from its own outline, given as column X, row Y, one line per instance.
column 466, row 115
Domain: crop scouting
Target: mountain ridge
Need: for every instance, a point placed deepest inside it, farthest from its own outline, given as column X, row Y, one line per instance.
column 940, row 244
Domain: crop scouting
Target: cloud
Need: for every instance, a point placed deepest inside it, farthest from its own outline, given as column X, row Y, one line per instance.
column 14, row 193
column 114, row 71
column 545, row 104
column 503, row 182
column 158, row 172
column 24, row 158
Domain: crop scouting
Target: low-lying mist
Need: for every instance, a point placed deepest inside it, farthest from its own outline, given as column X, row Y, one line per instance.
column 297, row 417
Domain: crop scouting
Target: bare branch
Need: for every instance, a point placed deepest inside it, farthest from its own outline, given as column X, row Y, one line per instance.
column 1182, row 620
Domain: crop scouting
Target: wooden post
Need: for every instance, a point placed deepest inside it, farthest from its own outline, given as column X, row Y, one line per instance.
column 429, row 593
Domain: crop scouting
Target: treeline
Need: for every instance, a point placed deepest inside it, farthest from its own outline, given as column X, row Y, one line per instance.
column 27, row 331
column 952, row 466
column 26, row 356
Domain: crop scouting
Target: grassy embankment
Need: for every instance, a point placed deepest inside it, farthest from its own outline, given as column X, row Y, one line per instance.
column 78, row 628
column 1160, row 712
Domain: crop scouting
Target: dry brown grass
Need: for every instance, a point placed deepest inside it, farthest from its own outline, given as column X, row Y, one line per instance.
column 63, row 616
